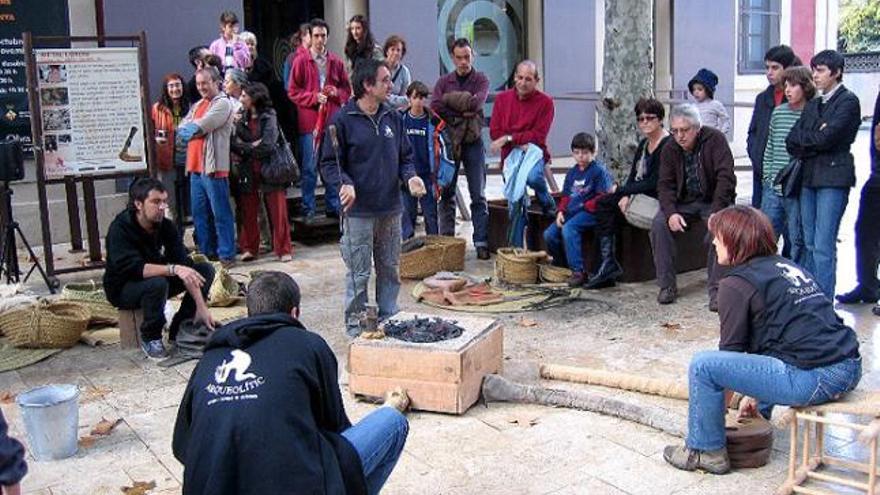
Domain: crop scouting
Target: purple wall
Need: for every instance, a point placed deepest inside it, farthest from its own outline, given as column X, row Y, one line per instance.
column 416, row 21
column 172, row 28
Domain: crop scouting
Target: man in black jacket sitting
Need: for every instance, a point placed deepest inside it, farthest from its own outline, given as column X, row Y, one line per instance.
column 263, row 413
column 147, row 264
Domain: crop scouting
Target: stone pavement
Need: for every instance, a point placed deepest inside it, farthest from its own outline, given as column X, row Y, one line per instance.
column 489, row 450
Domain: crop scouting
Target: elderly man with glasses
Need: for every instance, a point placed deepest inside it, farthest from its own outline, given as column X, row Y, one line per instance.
column 696, row 180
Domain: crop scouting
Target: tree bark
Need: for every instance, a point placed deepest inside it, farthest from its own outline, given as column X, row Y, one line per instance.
column 627, row 75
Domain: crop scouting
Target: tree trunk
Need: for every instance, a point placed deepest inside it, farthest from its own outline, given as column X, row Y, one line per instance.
column 627, row 75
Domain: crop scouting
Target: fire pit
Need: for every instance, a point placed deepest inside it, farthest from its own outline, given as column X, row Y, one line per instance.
column 443, row 376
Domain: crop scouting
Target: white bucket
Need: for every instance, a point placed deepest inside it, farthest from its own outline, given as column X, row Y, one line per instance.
column 51, row 418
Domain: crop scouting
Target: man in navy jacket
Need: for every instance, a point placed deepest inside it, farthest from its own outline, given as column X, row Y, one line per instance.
column 365, row 155
column 263, row 413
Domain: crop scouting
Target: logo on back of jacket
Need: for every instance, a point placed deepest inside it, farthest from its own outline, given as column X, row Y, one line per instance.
column 802, row 286
column 233, row 381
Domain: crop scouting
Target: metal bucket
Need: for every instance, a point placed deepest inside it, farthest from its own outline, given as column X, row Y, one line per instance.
column 51, row 418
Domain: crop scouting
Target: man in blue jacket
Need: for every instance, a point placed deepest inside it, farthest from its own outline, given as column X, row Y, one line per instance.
column 263, row 413
column 365, row 155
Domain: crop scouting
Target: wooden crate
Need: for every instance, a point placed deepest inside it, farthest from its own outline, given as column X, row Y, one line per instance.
column 441, row 377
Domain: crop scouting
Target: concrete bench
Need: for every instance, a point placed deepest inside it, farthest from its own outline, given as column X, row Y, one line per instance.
column 633, row 244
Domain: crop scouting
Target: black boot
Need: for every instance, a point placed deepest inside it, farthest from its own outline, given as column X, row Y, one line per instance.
column 609, row 269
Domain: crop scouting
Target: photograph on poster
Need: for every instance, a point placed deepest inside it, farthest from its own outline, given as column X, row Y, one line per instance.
column 53, row 73
column 54, row 97
column 50, row 143
column 56, row 120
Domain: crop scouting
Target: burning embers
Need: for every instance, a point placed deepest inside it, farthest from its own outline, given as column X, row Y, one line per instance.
column 423, row 330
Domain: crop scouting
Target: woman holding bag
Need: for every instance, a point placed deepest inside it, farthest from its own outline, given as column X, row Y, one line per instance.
column 255, row 141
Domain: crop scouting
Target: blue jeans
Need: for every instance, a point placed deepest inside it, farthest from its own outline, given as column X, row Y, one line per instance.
column 378, row 439
column 821, row 211
column 411, row 207
column 366, row 239
column 309, row 178
column 565, row 242
column 209, row 197
column 794, row 231
column 536, row 181
column 785, row 216
column 474, row 163
column 768, row 380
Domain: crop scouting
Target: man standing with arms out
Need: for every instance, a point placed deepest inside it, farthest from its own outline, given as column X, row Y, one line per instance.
column 208, row 127
column 365, row 155
column 696, row 180
column 868, row 228
column 458, row 98
column 147, row 264
column 522, row 116
column 776, row 60
column 318, row 86
column 263, row 414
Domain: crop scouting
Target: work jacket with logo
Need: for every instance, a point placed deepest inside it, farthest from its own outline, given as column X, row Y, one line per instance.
column 262, row 413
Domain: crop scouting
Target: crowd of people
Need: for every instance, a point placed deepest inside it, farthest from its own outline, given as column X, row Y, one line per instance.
column 386, row 146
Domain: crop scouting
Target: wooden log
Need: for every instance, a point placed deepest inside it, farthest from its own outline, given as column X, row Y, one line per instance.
column 634, row 383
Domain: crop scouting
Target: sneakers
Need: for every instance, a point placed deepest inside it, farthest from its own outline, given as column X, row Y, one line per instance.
column 397, row 398
column 876, row 310
column 667, row 295
column 577, row 279
column 247, row 256
column 482, row 252
column 310, row 218
column 856, row 296
column 713, row 305
column 712, row 461
column 154, row 349
column 284, row 258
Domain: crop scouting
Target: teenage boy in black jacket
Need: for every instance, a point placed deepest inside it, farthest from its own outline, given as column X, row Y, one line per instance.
column 263, row 413
column 147, row 264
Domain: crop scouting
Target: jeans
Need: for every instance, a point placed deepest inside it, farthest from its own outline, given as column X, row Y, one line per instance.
column 363, row 239
column 536, row 181
column 565, row 243
column 474, row 162
column 794, row 231
column 779, row 209
column 150, row 294
column 411, row 207
column 868, row 239
column 821, row 211
column 378, row 439
column 309, row 179
column 766, row 379
column 210, row 199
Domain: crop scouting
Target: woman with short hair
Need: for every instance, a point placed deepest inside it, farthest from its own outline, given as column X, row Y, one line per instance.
column 781, row 341
column 395, row 50
column 255, row 139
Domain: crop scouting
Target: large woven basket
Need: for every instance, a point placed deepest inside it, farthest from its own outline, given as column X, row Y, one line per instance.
column 515, row 266
column 56, row 324
column 91, row 296
column 554, row 274
column 440, row 253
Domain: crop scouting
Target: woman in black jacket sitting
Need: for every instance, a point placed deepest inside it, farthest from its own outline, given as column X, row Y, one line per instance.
column 781, row 341
column 256, row 137
column 821, row 139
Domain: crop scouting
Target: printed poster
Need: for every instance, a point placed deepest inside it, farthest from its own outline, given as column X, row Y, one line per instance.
column 92, row 112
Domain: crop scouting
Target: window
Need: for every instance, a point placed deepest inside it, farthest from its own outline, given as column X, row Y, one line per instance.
column 759, row 30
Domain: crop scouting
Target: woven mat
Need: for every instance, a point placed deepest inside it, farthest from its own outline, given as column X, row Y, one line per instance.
column 515, row 300
column 12, row 358
column 860, row 402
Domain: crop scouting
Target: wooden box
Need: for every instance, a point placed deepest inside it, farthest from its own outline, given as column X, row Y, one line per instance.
column 441, row 377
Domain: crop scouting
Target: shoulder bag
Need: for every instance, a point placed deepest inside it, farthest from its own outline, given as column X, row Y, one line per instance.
column 281, row 168
column 789, row 178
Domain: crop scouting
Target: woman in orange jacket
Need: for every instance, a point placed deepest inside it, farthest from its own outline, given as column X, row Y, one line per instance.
column 166, row 115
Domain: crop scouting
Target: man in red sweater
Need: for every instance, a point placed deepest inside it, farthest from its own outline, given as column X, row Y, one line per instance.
column 318, row 86
column 522, row 116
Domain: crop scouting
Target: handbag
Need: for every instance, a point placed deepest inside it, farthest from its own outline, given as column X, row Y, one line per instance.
column 641, row 211
column 282, row 167
column 789, row 178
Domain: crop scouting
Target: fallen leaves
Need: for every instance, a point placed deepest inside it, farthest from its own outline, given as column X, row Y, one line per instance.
column 94, row 393
column 527, row 322
column 102, row 429
column 138, row 488
column 672, row 327
column 524, row 421
column 7, row 397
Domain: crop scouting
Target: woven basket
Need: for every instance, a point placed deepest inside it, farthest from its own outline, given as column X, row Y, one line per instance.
column 515, row 266
column 91, row 296
column 56, row 324
column 554, row 274
column 440, row 253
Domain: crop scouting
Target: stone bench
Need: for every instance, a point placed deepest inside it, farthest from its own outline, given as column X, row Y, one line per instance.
column 633, row 244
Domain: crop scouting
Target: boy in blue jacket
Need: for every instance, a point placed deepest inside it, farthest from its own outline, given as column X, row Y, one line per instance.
column 419, row 123
column 584, row 183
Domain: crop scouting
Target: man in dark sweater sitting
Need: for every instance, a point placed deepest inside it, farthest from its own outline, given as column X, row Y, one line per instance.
column 263, row 413
column 147, row 264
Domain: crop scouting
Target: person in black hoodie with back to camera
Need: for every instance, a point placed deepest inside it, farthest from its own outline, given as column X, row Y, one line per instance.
column 263, row 413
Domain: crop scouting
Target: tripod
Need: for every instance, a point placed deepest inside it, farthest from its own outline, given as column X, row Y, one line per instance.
column 9, row 250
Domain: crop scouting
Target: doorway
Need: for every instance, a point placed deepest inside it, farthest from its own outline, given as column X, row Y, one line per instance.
column 273, row 21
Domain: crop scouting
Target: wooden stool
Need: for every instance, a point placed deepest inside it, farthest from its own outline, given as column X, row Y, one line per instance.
column 129, row 327
column 813, row 454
